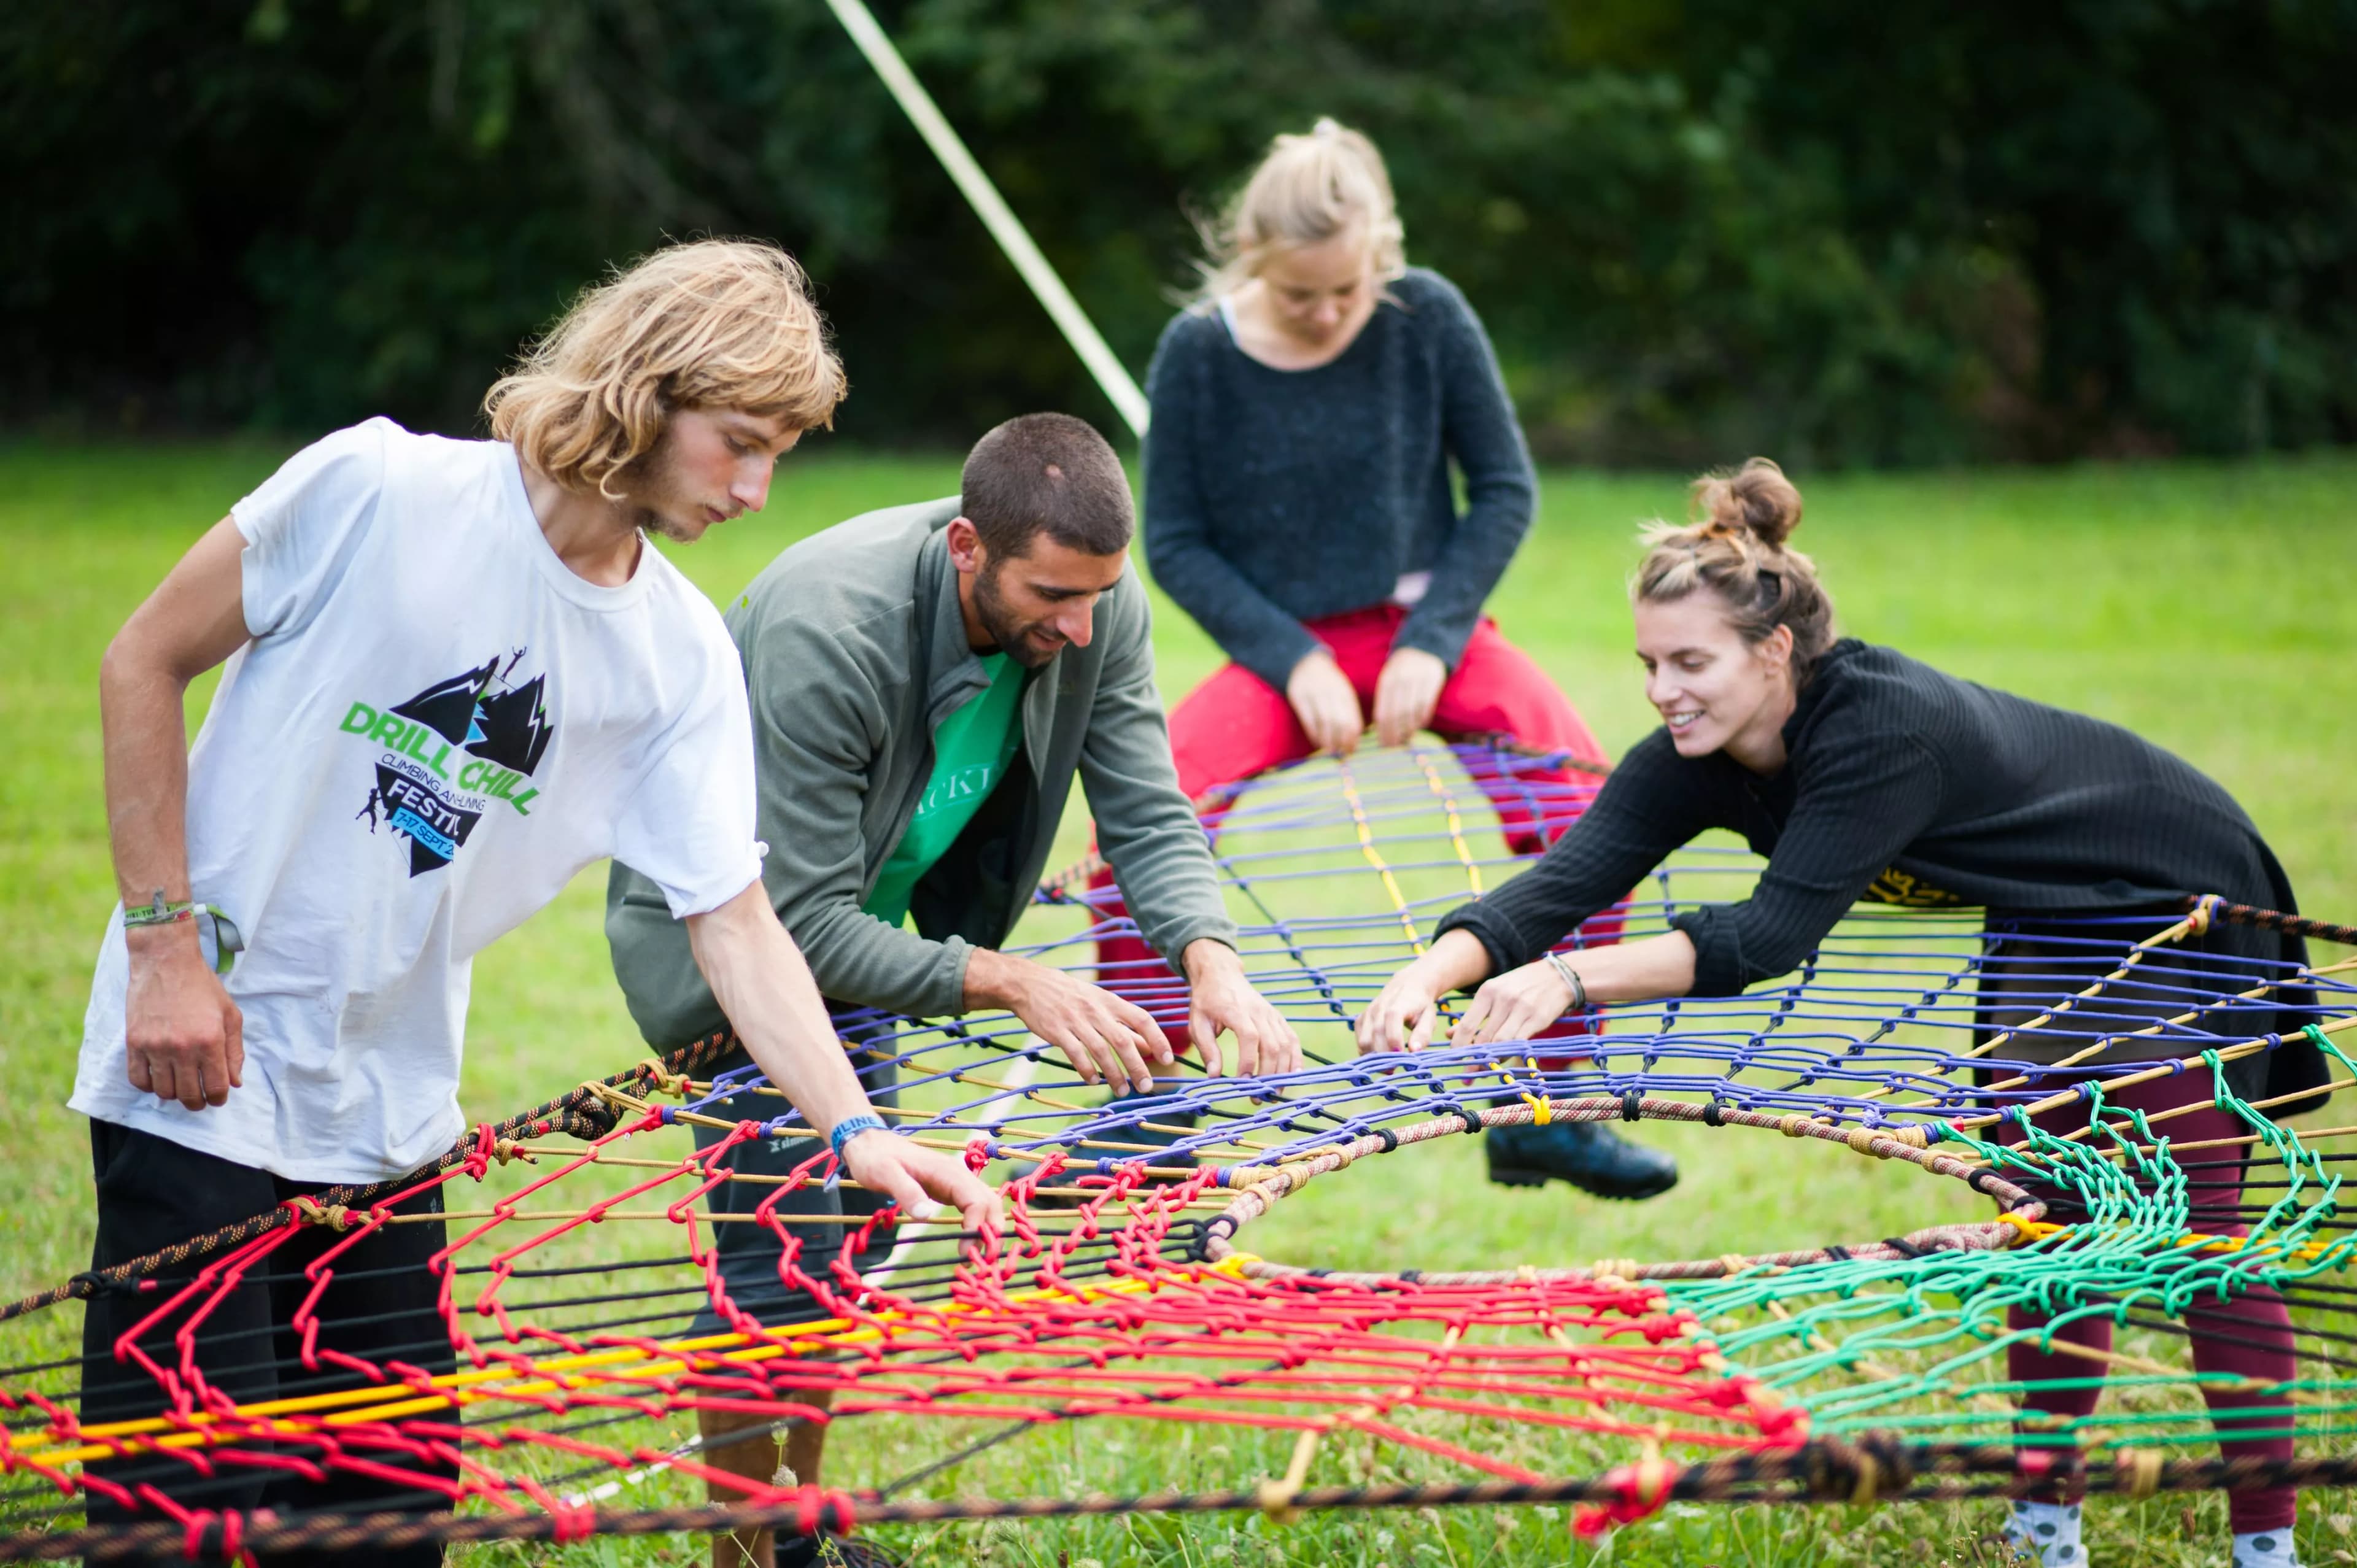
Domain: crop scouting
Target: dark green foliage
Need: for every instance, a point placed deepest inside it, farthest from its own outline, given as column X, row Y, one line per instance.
column 1835, row 231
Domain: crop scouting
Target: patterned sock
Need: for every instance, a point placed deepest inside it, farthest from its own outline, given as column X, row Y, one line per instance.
column 2265, row 1549
column 2050, row 1532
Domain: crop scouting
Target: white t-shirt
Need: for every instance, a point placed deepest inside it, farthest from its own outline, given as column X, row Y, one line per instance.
column 436, row 727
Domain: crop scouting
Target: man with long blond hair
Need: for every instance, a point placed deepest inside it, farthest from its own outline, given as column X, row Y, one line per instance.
column 456, row 674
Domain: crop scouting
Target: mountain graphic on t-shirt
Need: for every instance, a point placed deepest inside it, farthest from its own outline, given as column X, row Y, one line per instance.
column 507, row 728
column 511, row 728
column 447, row 707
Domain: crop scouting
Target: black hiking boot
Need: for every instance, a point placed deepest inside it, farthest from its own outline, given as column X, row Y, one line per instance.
column 1589, row 1155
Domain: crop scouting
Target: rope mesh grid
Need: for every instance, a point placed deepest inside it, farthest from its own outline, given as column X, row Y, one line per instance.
column 1121, row 1290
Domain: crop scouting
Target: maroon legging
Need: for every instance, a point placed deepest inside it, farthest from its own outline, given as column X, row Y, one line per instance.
column 2246, row 1336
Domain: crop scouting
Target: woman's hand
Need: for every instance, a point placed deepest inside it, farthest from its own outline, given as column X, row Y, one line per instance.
column 1403, row 1015
column 1514, row 1005
column 1325, row 704
column 1406, row 693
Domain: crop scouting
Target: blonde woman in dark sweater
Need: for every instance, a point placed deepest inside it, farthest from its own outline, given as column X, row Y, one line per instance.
column 1307, row 412
column 1862, row 775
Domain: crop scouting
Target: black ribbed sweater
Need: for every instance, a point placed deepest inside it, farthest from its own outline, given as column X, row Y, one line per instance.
column 1906, row 785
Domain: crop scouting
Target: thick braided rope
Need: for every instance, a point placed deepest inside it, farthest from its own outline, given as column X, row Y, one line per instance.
column 579, row 1112
column 1876, row 1467
column 2274, row 920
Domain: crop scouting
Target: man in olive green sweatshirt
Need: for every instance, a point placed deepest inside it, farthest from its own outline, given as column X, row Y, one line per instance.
column 925, row 682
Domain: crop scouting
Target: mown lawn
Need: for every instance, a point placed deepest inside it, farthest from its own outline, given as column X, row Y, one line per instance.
column 2208, row 606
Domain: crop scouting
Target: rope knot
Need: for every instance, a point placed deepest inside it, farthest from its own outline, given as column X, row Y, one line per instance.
column 192, row 1534
column 1638, row 1492
column 2143, row 1467
column 1869, row 1476
column 1275, row 1500
column 310, row 1211
column 659, row 1080
column 572, row 1522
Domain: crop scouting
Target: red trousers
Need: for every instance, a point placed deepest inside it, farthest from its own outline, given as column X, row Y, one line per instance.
column 2246, row 1336
column 1236, row 725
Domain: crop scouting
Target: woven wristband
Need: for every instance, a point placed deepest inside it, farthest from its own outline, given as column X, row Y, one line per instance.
column 850, row 1127
column 1571, row 978
column 226, row 942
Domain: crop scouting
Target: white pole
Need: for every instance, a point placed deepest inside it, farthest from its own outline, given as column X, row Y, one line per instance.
column 996, row 215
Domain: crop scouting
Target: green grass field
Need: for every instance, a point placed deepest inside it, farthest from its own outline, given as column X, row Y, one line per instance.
column 2209, row 607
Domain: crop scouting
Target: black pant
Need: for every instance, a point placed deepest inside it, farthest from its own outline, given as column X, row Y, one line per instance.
column 379, row 1306
column 749, row 1253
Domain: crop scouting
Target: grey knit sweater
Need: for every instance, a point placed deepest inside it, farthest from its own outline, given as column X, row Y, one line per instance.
column 1275, row 497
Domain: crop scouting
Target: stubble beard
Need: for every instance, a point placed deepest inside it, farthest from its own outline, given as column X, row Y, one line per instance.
column 1012, row 636
column 653, row 479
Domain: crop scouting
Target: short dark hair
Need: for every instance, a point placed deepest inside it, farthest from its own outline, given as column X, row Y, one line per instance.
column 1052, row 473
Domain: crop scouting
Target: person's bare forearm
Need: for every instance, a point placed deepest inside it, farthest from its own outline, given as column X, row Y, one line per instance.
column 1458, row 959
column 192, row 621
column 767, row 991
column 1642, row 971
column 762, row 985
column 147, row 753
column 994, row 978
column 182, row 1037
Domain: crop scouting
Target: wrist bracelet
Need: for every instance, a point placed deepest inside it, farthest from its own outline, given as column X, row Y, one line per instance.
column 226, row 942
column 850, row 1127
column 1571, row 978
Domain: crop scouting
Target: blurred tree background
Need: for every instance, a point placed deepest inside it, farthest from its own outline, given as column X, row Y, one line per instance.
column 1843, row 232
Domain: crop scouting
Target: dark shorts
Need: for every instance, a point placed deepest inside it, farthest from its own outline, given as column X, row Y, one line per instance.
column 750, row 1252
column 379, row 1306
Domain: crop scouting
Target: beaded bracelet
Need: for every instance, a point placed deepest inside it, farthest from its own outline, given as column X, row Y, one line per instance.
column 1571, row 978
column 850, row 1127
column 226, row 942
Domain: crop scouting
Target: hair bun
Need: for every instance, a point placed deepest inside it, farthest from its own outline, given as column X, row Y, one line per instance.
column 1757, row 499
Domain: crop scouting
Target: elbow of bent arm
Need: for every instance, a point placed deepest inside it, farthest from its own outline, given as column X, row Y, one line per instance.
column 129, row 665
column 1736, row 948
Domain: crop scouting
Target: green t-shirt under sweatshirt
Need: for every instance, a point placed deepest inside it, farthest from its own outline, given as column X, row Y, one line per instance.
column 971, row 751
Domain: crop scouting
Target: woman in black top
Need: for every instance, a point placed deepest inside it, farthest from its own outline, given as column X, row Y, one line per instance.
column 1862, row 774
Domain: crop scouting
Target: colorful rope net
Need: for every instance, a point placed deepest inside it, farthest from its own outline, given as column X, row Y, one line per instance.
column 587, row 1316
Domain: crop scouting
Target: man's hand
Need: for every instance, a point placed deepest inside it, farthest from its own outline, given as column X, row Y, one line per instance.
column 1406, row 693
column 1325, row 704
column 184, row 1038
column 1102, row 1035
column 910, row 1175
column 1221, row 998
